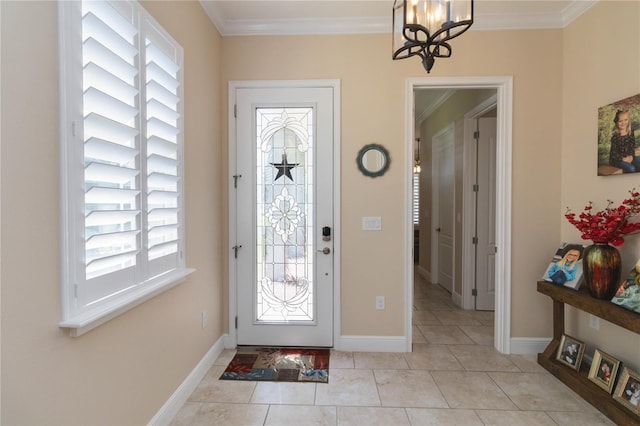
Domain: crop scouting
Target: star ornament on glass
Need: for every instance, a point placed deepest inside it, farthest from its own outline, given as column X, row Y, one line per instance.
column 284, row 168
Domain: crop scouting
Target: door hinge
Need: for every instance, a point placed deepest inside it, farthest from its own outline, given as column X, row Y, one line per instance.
column 75, row 291
column 474, row 240
column 236, row 322
column 476, row 187
column 474, row 292
column 476, row 135
column 235, row 110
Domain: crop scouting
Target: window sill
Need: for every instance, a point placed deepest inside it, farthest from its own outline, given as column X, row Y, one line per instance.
column 87, row 321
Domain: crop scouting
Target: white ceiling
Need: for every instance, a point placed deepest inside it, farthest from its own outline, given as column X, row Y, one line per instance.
column 289, row 17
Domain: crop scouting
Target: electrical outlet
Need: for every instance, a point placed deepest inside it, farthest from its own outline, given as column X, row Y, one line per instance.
column 594, row 322
column 380, row 303
column 205, row 319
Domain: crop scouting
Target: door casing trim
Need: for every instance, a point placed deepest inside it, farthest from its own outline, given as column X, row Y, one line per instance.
column 504, row 88
column 231, row 340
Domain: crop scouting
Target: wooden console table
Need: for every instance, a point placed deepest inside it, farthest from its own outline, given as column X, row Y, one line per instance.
column 578, row 380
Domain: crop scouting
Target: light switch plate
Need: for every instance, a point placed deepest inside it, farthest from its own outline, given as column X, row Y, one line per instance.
column 373, row 223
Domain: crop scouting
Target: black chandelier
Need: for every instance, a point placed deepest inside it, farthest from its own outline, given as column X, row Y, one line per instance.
column 424, row 27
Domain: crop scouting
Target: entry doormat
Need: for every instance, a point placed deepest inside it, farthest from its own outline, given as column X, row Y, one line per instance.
column 279, row 365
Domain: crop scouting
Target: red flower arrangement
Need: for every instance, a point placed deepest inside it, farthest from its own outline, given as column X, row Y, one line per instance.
column 610, row 225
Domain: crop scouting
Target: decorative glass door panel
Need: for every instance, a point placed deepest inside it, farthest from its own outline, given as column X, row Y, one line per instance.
column 284, row 201
column 283, row 188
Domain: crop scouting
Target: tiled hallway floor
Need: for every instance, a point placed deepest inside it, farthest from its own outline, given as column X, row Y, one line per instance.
column 452, row 377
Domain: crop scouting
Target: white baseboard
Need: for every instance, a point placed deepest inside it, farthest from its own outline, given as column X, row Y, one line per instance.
column 229, row 341
column 170, row 408
column 533, row 345
column 518, row 345
column 371, row 344
column 528, row 345
column 426, row 275
column 457, row 299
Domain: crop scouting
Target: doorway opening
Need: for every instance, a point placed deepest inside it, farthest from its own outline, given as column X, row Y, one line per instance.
column 461, row 277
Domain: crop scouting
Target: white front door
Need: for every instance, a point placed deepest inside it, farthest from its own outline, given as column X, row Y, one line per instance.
column 444, row 193
column 284, row 234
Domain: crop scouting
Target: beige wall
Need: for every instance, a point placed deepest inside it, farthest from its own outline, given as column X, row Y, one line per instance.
column 125, row 370
column 373, row 108
column 372, row 262
column 598, row 71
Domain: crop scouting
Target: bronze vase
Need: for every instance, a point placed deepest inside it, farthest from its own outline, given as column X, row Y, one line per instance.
column 602, row 268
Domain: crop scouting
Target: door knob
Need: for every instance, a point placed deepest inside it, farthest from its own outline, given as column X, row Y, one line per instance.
column 325, row 250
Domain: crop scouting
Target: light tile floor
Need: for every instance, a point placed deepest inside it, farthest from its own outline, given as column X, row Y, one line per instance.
column 452, row 377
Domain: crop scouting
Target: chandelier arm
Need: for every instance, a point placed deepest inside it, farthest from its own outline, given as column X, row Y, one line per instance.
column 447, row 30
column 434, row 49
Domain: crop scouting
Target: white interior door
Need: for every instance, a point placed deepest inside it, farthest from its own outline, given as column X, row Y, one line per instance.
column 486, row 215
column 284, row 210
column 444, row 192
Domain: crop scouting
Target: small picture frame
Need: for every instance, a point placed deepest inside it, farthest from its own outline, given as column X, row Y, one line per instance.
column 627, row 391
column 565, row 266
column 604, row 369
column 570, row 352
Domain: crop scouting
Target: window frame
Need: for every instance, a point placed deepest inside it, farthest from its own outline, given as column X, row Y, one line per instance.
column 80, row 318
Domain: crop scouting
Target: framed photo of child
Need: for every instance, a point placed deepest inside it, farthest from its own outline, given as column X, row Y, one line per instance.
column 628, row 390
column 565, row 267
column 618, row 137
column 604, row 369
column 570, row 352
column 628, row 295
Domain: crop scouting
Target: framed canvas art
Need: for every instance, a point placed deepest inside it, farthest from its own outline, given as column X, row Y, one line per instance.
column 628, row 295
column 619, row 137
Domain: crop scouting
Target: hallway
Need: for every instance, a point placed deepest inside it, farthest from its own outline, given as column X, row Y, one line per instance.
column 453, row 376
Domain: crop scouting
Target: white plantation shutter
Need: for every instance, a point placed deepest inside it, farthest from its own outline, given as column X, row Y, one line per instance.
column 111, row 136
column 121, row 144
column 163, row 136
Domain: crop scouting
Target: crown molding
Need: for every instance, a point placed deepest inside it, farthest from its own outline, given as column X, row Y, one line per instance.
column 382, row 25
column 214, row 13
column 312, row 26
column 534, row 21
column 575, row 9
column 424, row 114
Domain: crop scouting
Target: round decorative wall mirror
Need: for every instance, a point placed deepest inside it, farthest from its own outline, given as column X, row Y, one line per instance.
column 373, row 160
